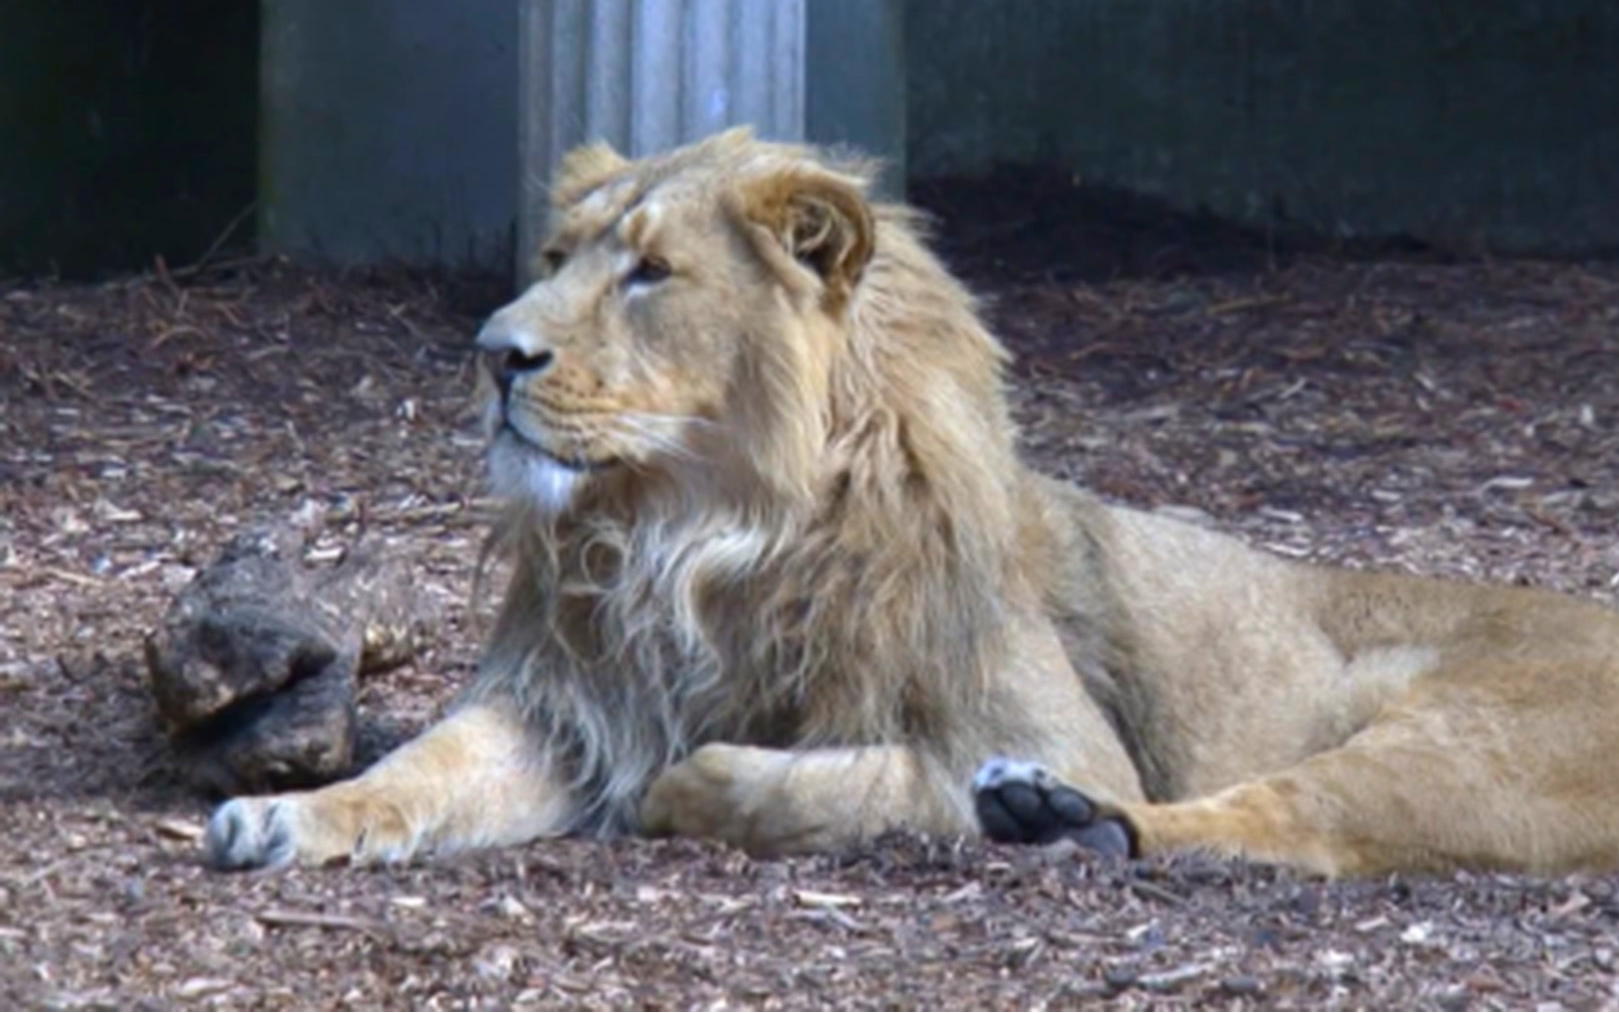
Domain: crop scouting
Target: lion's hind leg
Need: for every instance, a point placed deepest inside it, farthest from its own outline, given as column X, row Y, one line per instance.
column 1463, row 780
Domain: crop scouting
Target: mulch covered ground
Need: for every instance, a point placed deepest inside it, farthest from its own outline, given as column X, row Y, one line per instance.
column 1372, row 407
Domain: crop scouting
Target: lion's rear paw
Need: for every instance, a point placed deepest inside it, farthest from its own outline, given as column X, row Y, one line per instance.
column 1023, row 803
column 251, row 833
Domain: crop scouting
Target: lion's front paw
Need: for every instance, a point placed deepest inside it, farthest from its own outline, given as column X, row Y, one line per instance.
column 313, row 828
column 1023, row 803
column 252, row 833
column 719, row 791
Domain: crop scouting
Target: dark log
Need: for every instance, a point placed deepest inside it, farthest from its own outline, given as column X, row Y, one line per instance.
column 254, row 669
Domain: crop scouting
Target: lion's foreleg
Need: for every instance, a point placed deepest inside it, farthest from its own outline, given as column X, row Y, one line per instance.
column 771, row 801
column 475, row 779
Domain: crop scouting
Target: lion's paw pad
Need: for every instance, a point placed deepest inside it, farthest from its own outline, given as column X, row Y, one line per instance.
column 1023, row 803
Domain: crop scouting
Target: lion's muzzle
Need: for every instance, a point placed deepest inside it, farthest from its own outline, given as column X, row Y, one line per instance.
column 512, row 353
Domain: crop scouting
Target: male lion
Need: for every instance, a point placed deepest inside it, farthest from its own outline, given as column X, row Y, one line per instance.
column 779, row 577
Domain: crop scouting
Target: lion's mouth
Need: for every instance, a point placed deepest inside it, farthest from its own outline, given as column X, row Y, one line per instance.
column 574, row 463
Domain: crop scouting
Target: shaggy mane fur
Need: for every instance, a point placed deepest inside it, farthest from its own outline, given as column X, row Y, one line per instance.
column 840, row 580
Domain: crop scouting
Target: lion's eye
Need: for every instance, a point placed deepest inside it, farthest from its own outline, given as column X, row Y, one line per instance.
column 553, row 259
column 648, row 271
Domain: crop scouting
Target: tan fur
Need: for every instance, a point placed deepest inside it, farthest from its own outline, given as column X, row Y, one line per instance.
column 779, row 577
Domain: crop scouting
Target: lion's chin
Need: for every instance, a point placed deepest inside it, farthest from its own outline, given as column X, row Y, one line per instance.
column 519, row 471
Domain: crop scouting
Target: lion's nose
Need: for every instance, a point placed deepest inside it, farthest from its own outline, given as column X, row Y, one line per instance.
column 512, row 352
column 515, row 364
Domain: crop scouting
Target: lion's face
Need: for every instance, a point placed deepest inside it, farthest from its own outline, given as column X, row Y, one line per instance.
column 678, row 297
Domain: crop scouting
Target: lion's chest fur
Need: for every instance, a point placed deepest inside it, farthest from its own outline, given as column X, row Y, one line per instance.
column 658, row 636
column 685, row 614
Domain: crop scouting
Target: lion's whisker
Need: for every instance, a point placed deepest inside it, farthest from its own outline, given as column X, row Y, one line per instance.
column 638, row 426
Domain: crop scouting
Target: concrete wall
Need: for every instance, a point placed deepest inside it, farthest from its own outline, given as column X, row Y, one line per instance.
column 1453, row 120
column 856, row 60
column 389, row 129
column 128, row 127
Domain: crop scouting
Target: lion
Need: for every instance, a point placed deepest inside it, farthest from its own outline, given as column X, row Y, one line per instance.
column 778, row 576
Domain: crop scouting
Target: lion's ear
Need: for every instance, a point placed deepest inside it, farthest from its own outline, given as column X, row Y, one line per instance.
column 584, row 169
column 821, row 219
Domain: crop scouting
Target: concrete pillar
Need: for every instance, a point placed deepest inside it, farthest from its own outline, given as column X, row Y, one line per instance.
column 646, row 75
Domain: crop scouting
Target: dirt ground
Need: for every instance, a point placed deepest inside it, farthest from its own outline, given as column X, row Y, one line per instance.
column 1379, row 407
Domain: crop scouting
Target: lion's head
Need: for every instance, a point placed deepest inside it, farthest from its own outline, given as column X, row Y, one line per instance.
column 763, row 479
column 687, row 313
